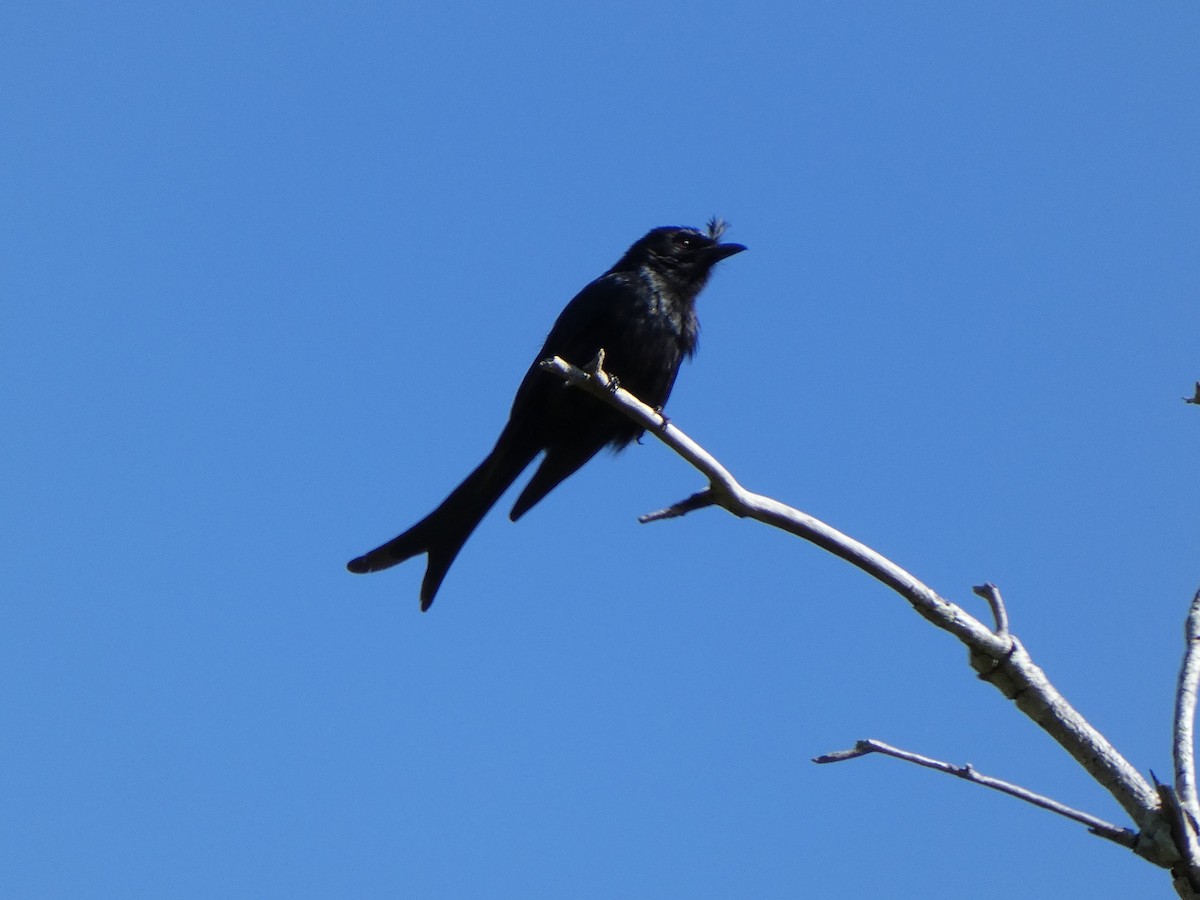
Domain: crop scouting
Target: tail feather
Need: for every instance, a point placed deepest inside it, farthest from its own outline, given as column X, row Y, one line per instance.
column 438, row 565
column 442, row 533
column 559, row 463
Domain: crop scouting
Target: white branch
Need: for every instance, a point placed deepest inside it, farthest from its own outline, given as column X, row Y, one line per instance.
column 1000, row 658
column 1185, row 723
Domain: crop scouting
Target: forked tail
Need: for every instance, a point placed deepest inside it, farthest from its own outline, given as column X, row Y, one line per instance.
column 442, row 533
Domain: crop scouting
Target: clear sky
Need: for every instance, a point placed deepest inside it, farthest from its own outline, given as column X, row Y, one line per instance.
column 270, row 274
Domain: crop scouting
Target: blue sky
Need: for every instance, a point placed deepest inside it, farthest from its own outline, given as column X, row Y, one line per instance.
column 272, row 272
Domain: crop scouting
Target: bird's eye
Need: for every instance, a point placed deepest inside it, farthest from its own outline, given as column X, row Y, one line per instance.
column 684, row 241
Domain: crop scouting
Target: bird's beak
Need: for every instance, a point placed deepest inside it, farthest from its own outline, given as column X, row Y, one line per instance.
column 718, row 252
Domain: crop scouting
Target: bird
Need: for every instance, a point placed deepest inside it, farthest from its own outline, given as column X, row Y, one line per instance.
column 642, row 314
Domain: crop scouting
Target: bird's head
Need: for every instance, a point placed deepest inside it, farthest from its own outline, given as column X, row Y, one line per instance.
column 685, row 255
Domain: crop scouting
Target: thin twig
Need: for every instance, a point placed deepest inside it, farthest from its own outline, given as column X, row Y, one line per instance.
column 1123, row 836
column 699, row 500
column 991, row 594
column 1009, row 667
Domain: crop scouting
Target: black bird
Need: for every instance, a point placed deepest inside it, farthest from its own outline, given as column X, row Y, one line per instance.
column 642, row 312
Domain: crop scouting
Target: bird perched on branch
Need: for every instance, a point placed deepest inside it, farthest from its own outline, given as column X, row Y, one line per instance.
column 642, row 313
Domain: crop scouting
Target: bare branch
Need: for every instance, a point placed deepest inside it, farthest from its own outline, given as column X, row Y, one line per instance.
column 1185, row 720
column 991, row 594
column 1097, row 826
column 1000, row 658
column 1186, row 872
column 699, row 500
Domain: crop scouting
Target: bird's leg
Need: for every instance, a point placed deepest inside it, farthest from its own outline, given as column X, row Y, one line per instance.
column 660, row 428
